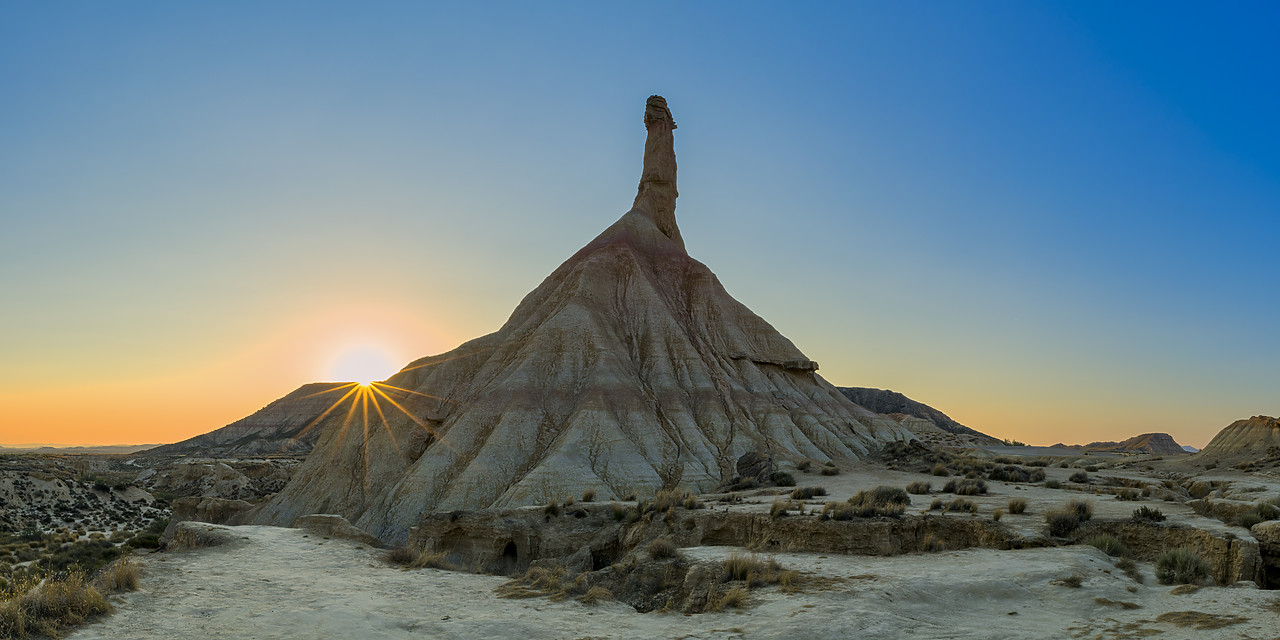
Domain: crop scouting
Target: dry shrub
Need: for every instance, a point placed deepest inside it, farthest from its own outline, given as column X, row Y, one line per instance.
column 1108, row 602
column 919, row 487
column 1079, row 477
column 1062, row 521
column 780, row 508
column 932, row 543
column 1072, row 582
column 965, row 487
column 1108, row 544
column 589, row 495
column 1149, row 514
column 122, row 575
column 432, row 560
column 735, row 597
column 31, row 606
column 805, row 493
column 401, row 555
column 996, row 514
column 1200, row 620
column 1130, row 568
column 940, row 470
column 751, row 568
column 1017, row 505
column 537, row 581
column 662, row 548
column 1082, row 508
column 830, row 471
column 1181, row 566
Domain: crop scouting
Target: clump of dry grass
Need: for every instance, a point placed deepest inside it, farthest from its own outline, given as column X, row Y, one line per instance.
column 589, row 495
column 662, row 547
column 735, row 597
column 431, row 560
column 36, row 606
column 122, row 575
column 537, row 581
column 1181, row 566
column 1108, row 602
column 1017, row 506
column 919, row 487
column 595, row 595
column 805, row 493
column 1130, row 568
column 401, row 555
column 1072, row 582
column 932, row 543
column 1200, row 620
column 751, row 568
column 965, row 487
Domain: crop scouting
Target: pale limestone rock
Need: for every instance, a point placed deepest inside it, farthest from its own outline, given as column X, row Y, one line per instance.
column 627, row 370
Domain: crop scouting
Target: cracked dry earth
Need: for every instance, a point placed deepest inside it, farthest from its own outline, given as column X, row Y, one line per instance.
column 273, row 582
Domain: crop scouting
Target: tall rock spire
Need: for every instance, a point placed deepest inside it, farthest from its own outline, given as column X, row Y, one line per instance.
column 657, row 194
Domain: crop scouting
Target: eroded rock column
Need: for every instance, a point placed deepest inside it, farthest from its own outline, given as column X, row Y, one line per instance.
column 657, row 194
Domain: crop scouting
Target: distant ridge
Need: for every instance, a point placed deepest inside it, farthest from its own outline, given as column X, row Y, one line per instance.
column 1154, row 443
column 106, row 449
column 892, row 404
column 275, row 429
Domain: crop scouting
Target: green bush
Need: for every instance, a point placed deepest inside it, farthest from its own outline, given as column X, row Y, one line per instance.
column 1180, row 566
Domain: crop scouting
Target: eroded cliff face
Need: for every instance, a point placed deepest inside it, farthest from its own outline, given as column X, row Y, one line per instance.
column 629, row 369
column 1252, row 439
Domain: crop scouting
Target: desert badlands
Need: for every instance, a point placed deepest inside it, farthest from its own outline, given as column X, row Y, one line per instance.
column 636, row 454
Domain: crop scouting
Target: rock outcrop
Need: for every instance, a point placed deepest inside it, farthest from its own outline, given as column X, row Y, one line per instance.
column 1154, row 443
column 1252, row 439
column 629, row 369
column 278, row 428
column 928, row 424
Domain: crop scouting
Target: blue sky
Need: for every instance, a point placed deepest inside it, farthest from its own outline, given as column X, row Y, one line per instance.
column 1052, row 221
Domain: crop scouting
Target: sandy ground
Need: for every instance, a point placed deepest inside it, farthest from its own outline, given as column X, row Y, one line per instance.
column 284, row 583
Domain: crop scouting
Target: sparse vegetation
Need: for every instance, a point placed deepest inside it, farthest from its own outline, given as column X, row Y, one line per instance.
column 1079, row 477
column 1072, row 581
column 782, row 479
column 1180, row 566
column 1052, row 484
column 1130, row 568
column 1083, row 508
column 830, row 471
column 589, row 495
column 1017, row 505
column 595, row 595
column 1108, row 602
column 940, row 470
column 1062, row 521
column 919, row 487
column 960, row 505
column 661, row 548
column 431, row 560
column 965, row 487
column 1108, row 544
column 1201, row 621
column 806, row 493
column 1148, row 514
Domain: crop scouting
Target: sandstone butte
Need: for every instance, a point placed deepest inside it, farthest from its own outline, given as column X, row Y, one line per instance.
column 1251, row 439
column 629, row 369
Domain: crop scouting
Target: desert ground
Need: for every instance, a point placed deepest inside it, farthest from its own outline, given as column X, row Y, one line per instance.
column 274, row 582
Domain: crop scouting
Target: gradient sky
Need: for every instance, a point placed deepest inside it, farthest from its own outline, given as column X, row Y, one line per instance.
column 1054, row 222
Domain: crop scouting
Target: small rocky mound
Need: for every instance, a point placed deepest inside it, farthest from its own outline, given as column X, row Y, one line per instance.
column 925, row 422
column 1252, row 439
column 1154, row 443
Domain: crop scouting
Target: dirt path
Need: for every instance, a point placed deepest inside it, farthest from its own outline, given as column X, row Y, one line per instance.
column 285, row 583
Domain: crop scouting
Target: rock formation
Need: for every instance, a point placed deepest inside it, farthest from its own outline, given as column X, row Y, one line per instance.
column 1154, row 443
column 278, row 428
column 629, row 369
column 1252, row 439
column 927, row 423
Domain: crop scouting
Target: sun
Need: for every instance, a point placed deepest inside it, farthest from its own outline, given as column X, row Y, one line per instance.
column 363, row 364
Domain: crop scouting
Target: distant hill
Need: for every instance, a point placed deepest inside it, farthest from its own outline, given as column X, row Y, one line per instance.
column 898, row 406
column 1189, row 449
column 275, row 429
column 1155, row 443
column 108, row 449
column 1252, row 439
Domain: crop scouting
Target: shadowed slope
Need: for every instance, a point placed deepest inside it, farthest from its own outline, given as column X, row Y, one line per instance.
column 276, row 428
column 629, row 369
